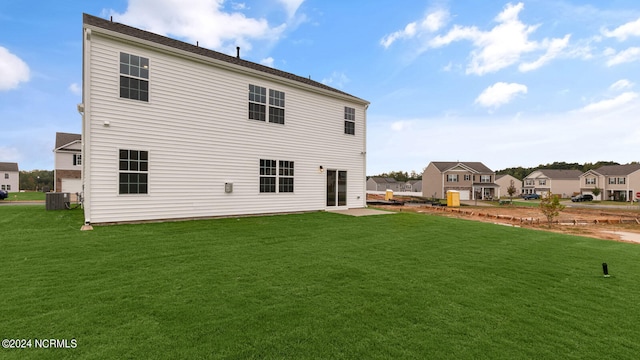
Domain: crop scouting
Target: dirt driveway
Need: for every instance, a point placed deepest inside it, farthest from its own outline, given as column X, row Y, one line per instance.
column 608, row 224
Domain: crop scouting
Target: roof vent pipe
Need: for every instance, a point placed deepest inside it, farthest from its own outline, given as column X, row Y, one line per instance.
column 238, row 52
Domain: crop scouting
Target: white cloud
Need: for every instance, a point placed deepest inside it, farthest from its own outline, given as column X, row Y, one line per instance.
column 621, row 85
column 267, row 61
column 401, row 125
column 202, row 21
column 554, row 48
column 13, row 70
column 513, row 149
column 291, row 6
column 625, row 31
column 76, row 88
column 629, row 55
column 337, row 80
column 610, row 104
column 504, row 44
column 499, row 94
column 432, row 22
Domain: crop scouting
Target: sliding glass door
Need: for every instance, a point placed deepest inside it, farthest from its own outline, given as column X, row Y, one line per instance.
column 336, row 188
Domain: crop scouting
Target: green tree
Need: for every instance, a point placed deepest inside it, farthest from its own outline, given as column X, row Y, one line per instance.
column 511, row 190
column 550, row 206
column 596, row 191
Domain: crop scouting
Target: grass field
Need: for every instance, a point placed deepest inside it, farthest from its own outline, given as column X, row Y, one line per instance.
column 313, row 286
column 26, row 196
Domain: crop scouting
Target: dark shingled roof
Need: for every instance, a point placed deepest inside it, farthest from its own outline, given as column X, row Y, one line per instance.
column 8, row 166
column 617, row 169
column 63, row 139
column 559, row 174
column 176, row 44
column 383, row 180
column 477, row 166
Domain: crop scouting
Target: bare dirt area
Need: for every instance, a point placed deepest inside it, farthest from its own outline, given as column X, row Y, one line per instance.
column 607, row 224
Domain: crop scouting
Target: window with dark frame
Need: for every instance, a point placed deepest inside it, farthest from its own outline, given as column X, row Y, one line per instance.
column 77, row 159
column 6, row 175
column 134, row 77
column 285, row 176
column 276, row 176
column 134, row 172
column 276, row 106
column 257, row 103
column 349, row 121
column 267, row 176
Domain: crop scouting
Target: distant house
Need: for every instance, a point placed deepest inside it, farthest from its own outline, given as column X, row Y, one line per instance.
column 9, row 176
column 504, row 181
column 560, row 182
column 68, row 163
column 616, row 182
column 172, row 130
column 378, row 183
column 472, row 179
column 414, row 186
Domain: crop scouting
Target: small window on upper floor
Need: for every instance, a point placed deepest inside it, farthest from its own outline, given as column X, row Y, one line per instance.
column 77, row 159
column 257, row 101
column 349, row 121
column 6, row 175
column 134, row 77
column 276, row 106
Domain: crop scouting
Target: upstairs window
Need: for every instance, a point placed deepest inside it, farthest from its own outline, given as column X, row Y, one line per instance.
column 276, row 106
column 6, row 175
column 349, row 121
column 485, row 178
column 134, row 77
column 542, row 182
column 452, row 177
column 590, row 181
column 134, row 172
column 467, row 177
column 77, row 159
column 257, row 101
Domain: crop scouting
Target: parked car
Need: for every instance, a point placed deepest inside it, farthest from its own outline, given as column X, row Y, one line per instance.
column 531, row 196
column 582, row 197
column 3, row 194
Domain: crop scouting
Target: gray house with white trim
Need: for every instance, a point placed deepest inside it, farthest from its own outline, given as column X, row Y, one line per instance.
column 172, row 130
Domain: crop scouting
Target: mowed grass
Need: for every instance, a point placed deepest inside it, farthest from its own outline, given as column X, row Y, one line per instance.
column 26, row 196
column 313, row 286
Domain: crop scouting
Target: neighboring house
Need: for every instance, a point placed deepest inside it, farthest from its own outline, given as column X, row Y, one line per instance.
column 616, row 182
column 504, row 181
column 172, row 130
column 414, row 185
column 472, row 179
column 68, row 163
column 9, row 176
column 378, row 183
column 560, row 182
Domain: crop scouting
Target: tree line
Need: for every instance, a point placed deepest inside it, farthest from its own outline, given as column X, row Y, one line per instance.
column 36, row 180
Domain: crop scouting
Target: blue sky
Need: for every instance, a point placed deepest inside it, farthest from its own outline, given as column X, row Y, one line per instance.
column 505, row 83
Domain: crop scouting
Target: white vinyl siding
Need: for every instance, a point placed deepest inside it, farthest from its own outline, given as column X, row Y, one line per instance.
column 196, row 127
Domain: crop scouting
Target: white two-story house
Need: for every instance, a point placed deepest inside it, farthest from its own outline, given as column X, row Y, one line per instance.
column 68, row 163
column 172, row 130
column 9, row 176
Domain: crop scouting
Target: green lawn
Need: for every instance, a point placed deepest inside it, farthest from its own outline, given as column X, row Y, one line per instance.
column 313, row 286
column 26, row 196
